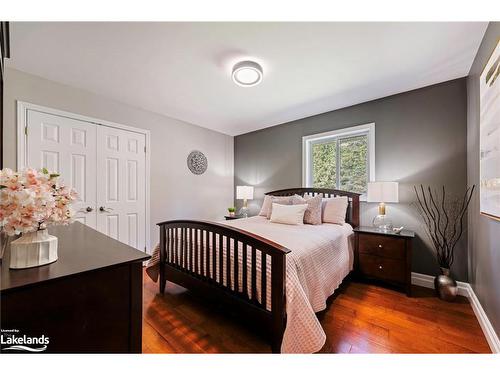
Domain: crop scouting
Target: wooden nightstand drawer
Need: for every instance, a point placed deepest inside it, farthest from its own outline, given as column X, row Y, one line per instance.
column 382, row 268
column 382, row 246
column 384, row 256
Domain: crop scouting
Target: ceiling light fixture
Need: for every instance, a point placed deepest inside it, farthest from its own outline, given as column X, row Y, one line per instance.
column 247, row 73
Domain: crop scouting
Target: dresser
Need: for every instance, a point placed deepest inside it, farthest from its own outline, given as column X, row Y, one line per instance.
column 384, row 257
column 88, row 301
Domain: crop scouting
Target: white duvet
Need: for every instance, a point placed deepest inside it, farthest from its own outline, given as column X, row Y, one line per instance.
column 320, row 258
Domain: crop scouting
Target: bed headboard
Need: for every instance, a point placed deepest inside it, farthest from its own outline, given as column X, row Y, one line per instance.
column 352, row 214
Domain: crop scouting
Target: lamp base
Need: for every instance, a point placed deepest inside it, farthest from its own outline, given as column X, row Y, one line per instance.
column 243, row 212
column 383, row 223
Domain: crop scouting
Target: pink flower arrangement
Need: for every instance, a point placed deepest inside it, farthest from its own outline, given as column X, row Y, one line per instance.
column 31, row 200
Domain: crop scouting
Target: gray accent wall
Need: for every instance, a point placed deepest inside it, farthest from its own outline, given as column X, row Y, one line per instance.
column 420, row 138
column 484, row 233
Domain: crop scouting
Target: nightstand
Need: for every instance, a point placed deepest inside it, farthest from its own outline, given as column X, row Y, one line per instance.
column 384, row 256
column 227, row 217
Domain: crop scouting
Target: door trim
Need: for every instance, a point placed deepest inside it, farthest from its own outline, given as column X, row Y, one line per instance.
column 22, row 110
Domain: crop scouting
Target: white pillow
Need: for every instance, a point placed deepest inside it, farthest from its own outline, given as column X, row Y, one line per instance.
column 266, row 208
column 335, row 209
column 288, row 214
column 280, row 200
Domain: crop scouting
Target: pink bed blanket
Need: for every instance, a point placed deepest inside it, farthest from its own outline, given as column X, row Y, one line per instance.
column 321, row 257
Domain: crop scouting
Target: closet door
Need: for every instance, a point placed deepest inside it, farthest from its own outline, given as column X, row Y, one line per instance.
column 121, row 174
column 68, row 147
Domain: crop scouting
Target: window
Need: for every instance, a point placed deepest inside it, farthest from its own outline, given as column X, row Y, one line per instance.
column 342, row 159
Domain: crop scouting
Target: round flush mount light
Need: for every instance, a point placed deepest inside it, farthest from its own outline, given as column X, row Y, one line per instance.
column 247, row 73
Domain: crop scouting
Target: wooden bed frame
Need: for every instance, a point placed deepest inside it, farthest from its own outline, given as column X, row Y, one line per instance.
column 190, row 262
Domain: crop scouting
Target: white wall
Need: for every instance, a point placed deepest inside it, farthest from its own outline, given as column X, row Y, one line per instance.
column 175, row 192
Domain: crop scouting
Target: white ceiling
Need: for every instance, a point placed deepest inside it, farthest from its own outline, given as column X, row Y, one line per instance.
column 182, row 70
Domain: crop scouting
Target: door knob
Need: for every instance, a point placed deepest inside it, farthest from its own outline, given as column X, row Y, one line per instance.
column 89, row 209
column 104, row 209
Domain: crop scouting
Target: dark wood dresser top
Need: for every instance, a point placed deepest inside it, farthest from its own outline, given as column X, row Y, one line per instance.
column 372, row 230
column 80, row 249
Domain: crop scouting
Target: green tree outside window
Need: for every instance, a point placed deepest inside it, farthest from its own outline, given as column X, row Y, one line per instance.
column 341, row 164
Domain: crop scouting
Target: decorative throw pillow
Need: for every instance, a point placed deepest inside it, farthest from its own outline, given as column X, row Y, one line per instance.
column 279, row 200
column 335, row 210
column 311, row 195
column 313, row 212
column 288, row 214
column 266, row 205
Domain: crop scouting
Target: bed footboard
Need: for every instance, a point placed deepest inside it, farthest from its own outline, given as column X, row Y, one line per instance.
column 229, row 264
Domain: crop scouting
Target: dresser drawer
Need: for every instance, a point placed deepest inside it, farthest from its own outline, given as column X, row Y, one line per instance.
column 382, row 268
column 382, row 246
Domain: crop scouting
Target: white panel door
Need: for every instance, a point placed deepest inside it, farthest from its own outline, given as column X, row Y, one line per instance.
column 68, row 147
column 121, row 173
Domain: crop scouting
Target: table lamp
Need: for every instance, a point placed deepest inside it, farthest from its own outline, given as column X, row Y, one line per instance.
column 382, row 192
column 245, row 193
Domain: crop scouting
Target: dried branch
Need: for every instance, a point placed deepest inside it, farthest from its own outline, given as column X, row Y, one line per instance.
column 427, row 217
column 429, row 214
column 440, row 232
column 443, row 219
column 465, row 205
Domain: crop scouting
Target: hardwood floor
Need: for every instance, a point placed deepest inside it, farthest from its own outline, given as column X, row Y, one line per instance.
column 360, row 318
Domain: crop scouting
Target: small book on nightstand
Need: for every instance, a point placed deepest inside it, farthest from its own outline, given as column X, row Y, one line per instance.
column 384, row 256
column 227, row 217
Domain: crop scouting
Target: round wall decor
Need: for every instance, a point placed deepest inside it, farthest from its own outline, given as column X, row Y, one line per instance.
column 197, row 162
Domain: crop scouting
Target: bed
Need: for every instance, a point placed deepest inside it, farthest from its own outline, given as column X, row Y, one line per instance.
column 276, row 275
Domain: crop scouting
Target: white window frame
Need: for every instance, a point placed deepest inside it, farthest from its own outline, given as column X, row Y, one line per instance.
column 309, row 140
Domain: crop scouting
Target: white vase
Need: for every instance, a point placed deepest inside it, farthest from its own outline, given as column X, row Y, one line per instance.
column 33, row 249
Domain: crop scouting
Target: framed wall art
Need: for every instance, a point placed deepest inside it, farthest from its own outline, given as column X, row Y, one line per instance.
column 489, row 136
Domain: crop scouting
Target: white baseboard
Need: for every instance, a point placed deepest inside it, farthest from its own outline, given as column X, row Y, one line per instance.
column 427, row 281
column 484, row 322
column 464, row 289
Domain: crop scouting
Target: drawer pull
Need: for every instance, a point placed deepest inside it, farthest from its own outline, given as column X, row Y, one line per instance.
column 379, row 246
column 380, row 267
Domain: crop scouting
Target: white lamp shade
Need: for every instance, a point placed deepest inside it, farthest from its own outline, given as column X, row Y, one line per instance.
column 244, row 192
column 386, row 192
